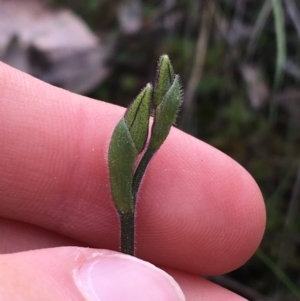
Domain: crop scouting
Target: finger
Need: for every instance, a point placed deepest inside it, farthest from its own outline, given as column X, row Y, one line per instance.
column 18, row 236
column 52, row 167
column 83, row 274
column 198, row 210
column 196, row 288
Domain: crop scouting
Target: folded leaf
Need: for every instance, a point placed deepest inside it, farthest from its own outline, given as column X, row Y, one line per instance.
column 128, row 140
column 137, row 117
column 165, row 115
column 164, row 79
column 122, row 154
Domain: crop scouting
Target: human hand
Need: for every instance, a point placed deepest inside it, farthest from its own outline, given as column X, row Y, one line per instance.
column 199, row 212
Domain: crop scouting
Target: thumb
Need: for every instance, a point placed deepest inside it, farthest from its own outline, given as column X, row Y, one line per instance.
column 70, row 273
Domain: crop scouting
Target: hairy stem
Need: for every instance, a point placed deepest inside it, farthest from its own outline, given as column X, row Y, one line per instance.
column 127, row 232
column 138, row 175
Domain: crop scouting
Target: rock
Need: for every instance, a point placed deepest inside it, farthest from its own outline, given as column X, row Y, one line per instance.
column 53, row 45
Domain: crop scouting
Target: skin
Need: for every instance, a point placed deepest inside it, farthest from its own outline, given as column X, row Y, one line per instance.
column 199, row 212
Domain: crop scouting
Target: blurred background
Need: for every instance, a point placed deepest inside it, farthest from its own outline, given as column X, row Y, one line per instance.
column 239, row 62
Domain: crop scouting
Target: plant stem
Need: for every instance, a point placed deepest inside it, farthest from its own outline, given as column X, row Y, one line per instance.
column 138, row 175
column 127, row 219
column 127, row 232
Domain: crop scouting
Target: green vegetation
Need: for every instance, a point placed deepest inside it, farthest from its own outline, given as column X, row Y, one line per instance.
column 129, row 139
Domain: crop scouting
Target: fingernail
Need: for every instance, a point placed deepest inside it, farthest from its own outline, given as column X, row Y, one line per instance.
column 118, row 277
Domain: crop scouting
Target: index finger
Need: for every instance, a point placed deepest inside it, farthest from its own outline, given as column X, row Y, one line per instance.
column 197, row 210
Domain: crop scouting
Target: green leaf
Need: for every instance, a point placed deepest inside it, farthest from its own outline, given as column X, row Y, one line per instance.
column 137, row 118
column 165, row 115
column 122, row 154
column 164, row 79
column 128, row 140
column 280, row 40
